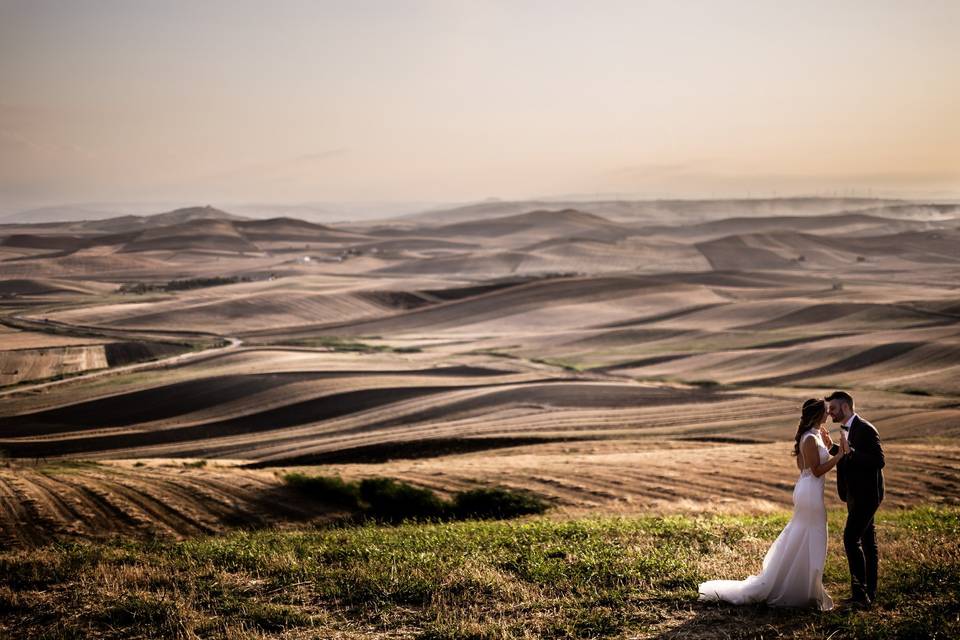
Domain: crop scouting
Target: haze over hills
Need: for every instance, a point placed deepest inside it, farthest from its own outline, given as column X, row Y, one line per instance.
column 538, row 241
column 317, row 212
column 692, row 210
column 56, row 214
column 620, row 209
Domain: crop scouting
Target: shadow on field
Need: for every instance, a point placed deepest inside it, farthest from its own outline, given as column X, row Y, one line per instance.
column 411, row 450
column 387, row 500
column 721, row 620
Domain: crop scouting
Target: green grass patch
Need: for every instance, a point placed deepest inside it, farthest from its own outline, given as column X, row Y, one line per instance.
column 492, row 353
column 553, row 362
column 339, row 343
column 68, row 466
column 334, row 343
column 599, row 577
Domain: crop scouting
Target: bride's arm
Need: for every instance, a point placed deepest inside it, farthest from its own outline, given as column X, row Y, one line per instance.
column 811, row 452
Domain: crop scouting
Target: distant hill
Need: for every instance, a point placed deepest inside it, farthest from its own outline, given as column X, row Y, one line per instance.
column 332, row 212
column 177, row 216
column 192, row 234
column 182, row 229
column 190, row 229
column 792, row 250
column 836, row 224
column 541, row 223
column 97, row 219
column 654, row 211
column 293, row 230
column 189, row 214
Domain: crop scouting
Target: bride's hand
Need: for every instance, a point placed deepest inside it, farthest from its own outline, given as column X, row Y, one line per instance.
column 825, row 436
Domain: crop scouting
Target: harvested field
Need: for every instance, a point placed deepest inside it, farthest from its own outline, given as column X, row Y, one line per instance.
column 61, row 500
column 611, row 366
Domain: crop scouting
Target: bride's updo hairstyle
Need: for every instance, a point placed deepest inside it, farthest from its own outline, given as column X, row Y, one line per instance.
column 810, row 416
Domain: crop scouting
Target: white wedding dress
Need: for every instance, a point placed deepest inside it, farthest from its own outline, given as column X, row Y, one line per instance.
column 792, row 573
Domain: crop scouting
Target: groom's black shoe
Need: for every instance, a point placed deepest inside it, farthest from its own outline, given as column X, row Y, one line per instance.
column 861, row 601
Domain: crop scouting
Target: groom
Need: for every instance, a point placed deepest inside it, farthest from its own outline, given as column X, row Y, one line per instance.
column 860, row 485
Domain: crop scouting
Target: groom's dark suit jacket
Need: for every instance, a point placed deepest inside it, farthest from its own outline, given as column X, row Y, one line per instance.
column 860, row 474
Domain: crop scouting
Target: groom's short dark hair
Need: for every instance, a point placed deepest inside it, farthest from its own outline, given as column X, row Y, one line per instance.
column 841, row 395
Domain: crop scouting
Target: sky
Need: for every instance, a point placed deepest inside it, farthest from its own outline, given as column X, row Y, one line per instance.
column 312, row 101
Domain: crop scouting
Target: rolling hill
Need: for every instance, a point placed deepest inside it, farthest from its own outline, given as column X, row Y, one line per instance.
column 463, row 353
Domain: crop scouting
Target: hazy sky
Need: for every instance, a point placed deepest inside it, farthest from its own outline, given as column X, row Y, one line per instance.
column 311, row 101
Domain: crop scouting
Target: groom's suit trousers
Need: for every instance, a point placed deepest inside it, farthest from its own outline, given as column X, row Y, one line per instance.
column 860, row 544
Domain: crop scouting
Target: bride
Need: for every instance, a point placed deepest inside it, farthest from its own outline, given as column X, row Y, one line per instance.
column 792, row 573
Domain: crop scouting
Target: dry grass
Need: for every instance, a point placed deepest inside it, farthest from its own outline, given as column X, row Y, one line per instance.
column 584, row 578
